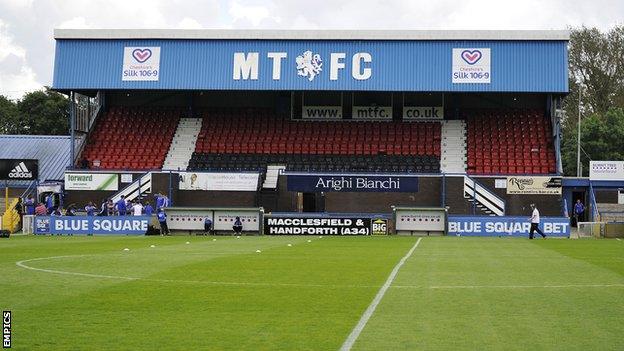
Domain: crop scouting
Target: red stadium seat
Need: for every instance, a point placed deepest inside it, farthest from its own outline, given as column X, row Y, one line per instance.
column 139, row 139
column 500, row 136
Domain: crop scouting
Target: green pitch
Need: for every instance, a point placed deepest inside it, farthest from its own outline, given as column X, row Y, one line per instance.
column 88, row 293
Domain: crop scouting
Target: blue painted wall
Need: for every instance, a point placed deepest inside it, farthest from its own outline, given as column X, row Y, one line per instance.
column 516, row 66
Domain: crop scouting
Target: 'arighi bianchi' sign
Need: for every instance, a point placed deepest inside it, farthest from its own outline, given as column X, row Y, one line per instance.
column 311, row 183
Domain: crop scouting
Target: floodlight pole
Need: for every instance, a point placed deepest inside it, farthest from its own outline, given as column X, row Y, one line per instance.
column 578, row 140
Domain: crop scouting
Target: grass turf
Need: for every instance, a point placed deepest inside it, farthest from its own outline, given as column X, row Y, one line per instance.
column 504, row 294
column 453, row 293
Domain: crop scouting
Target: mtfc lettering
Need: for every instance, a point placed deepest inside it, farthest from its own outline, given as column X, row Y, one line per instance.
column 246, row 65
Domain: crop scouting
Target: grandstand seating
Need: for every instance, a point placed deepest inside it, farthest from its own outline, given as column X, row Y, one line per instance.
column 316, row 163
column 132, row 138
column 509, row 142
column 263, row 138
column 498, row 142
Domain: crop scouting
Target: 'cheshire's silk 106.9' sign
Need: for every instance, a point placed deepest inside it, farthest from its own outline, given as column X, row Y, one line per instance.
column 141, row 64
column 471, row 65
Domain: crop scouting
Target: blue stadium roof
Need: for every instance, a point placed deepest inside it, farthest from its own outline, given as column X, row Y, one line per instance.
column 400, row 61
column 53, row 153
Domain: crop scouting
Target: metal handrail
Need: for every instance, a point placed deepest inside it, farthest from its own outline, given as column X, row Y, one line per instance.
column 484, row 196
column 137, row 183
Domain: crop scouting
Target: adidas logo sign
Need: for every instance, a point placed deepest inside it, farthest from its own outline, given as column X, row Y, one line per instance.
column 20, row 171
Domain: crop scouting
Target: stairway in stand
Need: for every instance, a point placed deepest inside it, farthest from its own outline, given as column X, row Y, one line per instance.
column 453, row 147
column 183, row 144
column 272, row 176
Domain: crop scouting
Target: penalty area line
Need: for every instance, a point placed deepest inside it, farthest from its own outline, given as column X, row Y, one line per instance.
column 355, row 333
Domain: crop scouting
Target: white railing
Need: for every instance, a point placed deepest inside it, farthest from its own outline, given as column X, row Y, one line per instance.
column 484, row 196
column 87, row 112
column 133, row 190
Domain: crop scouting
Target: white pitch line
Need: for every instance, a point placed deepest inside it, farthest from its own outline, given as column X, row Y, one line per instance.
column 355, row 333
column 207, row 282
column 175, row 281
column 449, row 287
column 21, row 264
column 222, row 283
column 618, row 239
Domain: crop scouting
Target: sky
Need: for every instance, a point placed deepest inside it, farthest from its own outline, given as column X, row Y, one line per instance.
column 27, row 42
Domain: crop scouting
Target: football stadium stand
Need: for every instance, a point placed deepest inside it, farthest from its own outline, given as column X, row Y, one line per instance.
column 451, row 111
column 132, row 138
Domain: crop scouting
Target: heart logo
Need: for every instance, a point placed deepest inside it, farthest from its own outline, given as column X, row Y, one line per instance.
column 141, row 55
column 471, row 57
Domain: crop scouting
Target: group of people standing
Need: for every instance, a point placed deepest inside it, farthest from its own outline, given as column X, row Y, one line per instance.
column 122, row 207
column 31, row 207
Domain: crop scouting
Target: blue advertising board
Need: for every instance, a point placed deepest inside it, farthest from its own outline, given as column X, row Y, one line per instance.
column 338, row 65
column 112, row 225
column 506, row 226
column 311, row 183
column 42, row 225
